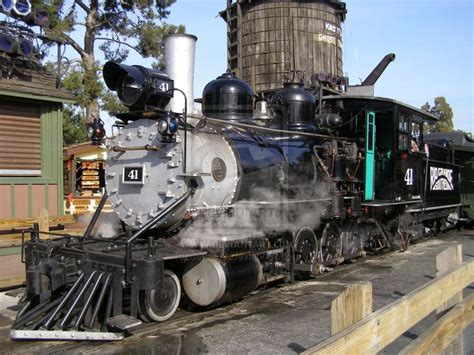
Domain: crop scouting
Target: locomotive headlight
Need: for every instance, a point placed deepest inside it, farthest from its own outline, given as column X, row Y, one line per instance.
column 96, row 131
column 131, row 90
column 137, row 87
column 162, row 126
column 173, row 126
column 90, row 131
column 167, row 127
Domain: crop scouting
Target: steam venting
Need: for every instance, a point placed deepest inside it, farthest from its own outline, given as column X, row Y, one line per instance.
column 246, row 220
column 107, row 226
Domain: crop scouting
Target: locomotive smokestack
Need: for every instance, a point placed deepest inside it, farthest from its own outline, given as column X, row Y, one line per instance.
column 179, row 59
column 378, row 70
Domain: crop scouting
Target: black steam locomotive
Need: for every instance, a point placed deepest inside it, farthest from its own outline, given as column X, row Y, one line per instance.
column 213, row 205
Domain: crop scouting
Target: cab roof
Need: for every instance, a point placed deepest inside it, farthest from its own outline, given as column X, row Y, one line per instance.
column 425, row 115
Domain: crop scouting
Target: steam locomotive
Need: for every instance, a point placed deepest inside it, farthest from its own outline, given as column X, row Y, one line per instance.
column 214, row 205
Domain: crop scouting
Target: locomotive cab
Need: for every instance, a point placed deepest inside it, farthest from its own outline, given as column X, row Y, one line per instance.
column 390, row 135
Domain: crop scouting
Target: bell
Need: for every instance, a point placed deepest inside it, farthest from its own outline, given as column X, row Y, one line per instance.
column 262, row 114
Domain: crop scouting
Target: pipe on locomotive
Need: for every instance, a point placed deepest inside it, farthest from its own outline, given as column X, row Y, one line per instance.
column 179, row 65
column 180, row 50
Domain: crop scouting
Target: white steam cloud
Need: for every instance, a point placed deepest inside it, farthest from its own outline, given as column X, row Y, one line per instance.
column 270, row 212
column 107, row 226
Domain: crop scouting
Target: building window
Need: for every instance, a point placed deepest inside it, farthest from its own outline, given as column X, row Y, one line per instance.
column 20, row 138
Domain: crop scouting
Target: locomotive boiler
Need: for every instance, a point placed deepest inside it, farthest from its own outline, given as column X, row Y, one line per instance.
column 248, row 191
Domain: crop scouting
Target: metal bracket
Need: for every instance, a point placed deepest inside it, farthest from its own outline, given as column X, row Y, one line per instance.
column 123, row 322
column 63, row 335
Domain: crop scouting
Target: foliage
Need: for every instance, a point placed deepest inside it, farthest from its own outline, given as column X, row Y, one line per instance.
column 119, row 25
column 443, row 111
column 74, row 119
column 73, row 126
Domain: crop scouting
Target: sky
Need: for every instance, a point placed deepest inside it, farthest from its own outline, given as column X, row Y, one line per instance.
column 432, row 39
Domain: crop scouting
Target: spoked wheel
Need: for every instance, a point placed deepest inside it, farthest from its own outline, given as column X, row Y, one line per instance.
column 156, row 306
column 352, row 240
column 305, row 246
column 331, row 244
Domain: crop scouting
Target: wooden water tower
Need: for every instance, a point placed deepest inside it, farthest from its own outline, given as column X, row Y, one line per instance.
column 268, row 38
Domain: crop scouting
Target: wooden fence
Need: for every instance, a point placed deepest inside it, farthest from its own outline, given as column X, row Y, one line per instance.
column 356, row 329
column 12, row 271
column 12, row 225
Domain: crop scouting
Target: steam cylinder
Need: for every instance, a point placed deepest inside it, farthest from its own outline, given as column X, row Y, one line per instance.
column 179, row 58
column 213, row 281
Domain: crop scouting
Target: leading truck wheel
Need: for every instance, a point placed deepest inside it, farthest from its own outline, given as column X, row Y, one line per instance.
column 158, row 307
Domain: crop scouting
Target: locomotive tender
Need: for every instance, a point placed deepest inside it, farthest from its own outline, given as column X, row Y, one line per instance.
column 213, row 205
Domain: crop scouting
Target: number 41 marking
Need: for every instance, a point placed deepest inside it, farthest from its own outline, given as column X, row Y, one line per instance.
column 164, row 87
column 133, row 175
column 409, row 177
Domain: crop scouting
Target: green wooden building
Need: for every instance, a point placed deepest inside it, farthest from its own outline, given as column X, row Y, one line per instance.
column 31, row 121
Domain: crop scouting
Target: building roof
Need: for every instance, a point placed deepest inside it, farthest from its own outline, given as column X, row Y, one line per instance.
column 82, row 149
column 22, row 77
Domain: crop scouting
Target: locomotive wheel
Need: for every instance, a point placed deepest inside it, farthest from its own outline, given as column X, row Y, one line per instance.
column 331, row 243
column 352, row 240
column 374, row 241
column 305, row 246
column 158, row 307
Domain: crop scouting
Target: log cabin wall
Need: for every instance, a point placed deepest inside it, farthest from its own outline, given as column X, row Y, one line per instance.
column 268, row 38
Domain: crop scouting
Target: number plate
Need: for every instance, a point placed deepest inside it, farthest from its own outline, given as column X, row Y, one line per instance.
column 133, row 175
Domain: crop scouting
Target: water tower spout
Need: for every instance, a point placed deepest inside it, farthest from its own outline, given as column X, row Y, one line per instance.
column 378, row 70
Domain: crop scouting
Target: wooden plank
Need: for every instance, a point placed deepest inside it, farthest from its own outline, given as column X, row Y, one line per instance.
column 10, row 240
column 12, row 223
column 382, row 327
column 43, row 220
column 352, row 305
column 14, row 240
column 444, row 331
column 12, row 281
column 446, row 261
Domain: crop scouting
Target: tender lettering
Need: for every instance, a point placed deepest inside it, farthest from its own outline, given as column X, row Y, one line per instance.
column 441, row 179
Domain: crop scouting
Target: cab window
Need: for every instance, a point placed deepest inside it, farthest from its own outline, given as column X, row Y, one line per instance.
column 403, row 132
column 415, row 137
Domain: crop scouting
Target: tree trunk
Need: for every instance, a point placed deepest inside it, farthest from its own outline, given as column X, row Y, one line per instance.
column 90, row 77
column 88, row 58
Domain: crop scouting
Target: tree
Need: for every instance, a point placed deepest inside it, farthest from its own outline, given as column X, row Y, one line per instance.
column 120, row 25
column 443, row 111
column 73, row 127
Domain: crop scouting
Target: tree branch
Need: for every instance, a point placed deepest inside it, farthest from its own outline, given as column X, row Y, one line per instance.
column 82, row 5
column 74, row 44
column 119, row 42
